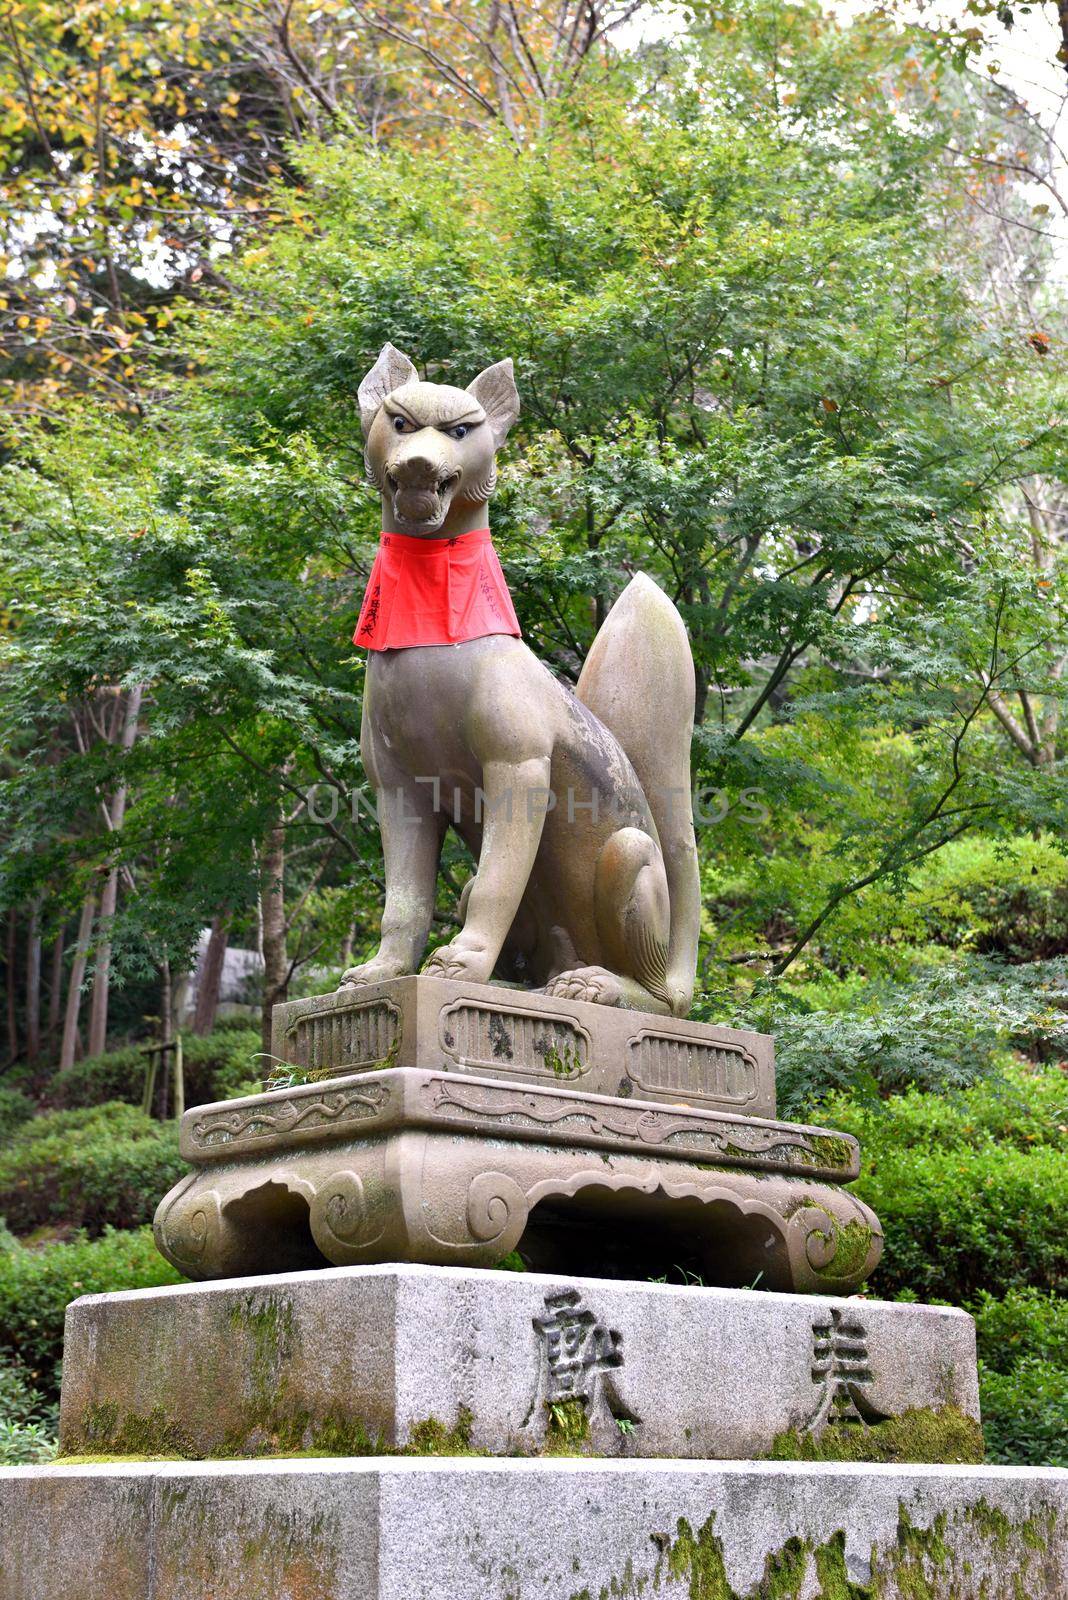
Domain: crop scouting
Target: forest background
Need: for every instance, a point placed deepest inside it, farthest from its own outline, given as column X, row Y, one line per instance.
column 784, row 291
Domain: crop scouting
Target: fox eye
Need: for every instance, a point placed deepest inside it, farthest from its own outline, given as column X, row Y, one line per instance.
column 460, row 431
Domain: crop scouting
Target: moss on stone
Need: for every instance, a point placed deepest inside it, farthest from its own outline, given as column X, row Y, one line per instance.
column 432, row 1438
column 920, row 1563
column 834, row 1579
column 852, row 1246
column 832, row 1151
column 699, row 1558
column 568, row 1431
column 920, row 1436
column 124, row 1435
column 784, row 1572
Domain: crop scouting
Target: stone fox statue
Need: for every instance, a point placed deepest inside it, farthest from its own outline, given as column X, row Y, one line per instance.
column 576, row 806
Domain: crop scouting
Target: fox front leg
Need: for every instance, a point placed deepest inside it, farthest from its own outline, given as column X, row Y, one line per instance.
column 411, row 844
column 515, row 799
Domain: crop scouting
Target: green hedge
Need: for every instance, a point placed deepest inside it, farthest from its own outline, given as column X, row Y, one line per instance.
column 102, row 1166
column 1023, row 1377
column 215, row 1067
column 971, row 1188
column 15, row 1109
column 36, row 1287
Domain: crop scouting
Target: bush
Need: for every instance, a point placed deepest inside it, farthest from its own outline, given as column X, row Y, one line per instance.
column 1013, row 904
column 1023, row 1377
column 945, row 1028
column 105, row 1165
column 1025, row 1413
column 36, row 1287
column 28, row 1422
column 215, row 1067
column 15, row 1109
column 971, row 1189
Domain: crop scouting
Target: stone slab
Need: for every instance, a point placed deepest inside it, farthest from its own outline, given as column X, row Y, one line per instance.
column 531, row 1530
column 493, row 1031
column 304, row 1360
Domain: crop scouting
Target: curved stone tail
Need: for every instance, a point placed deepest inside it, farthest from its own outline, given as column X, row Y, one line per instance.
column 639, row 680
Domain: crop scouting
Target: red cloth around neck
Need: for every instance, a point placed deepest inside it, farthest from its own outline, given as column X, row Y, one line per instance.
column 434, row 591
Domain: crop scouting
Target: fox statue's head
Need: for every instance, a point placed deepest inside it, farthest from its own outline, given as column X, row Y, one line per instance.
column 431, row 450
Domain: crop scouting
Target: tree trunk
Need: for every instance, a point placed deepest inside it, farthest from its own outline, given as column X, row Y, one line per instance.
column 98, row 1016
column 273, row 909
column 74, row 989
column 209, row 978
column 10, row 954
column 33, row 984
column 55, row 993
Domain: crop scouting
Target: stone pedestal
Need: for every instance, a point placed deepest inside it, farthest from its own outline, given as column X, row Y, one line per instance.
column 361, row 1359
column 446, row 1123
column 532, row 1530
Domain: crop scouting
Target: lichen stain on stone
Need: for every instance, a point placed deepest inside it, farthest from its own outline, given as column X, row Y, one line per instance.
column 947, row 1436
column 293, row 1557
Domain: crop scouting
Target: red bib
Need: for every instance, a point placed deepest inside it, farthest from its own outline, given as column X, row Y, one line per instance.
column 434, row 591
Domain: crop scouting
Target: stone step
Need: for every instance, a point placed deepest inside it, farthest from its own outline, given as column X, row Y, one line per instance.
column 540, row 1530
column 358, row 1359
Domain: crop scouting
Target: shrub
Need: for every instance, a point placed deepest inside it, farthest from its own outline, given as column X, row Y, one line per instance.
column 946, row 1027
column 28, row 1422
column 15, row 1109
column 1025, row 1413
column 37, row 1285
column 1013, row 904
column 215, row 1067
column 1023, row 1377
column 971, row 1188
column 100, row 1166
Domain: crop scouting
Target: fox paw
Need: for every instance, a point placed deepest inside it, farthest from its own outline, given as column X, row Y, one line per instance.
column 460, row 964
column 597, row 984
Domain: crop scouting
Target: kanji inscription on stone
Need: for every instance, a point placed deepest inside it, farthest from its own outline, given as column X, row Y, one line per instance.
column 579, row 1362
column 577, row 1348
column 842, row 1368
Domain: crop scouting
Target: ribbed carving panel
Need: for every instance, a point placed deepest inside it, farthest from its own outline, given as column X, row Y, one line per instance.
column 503, row 1039
column 345, row 1040
column 662, row 1064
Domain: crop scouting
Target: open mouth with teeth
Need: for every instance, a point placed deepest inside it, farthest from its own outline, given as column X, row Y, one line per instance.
column 423, row 505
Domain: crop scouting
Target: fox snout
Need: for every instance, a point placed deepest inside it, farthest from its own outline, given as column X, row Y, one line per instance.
column 421, row 469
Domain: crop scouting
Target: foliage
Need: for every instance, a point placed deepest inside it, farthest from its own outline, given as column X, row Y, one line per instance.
column 964, row 1210
column 215, row 1066
column 37, row 1285
column 1023, row 1376
column 757, row 359
column 15, row 1109
column 28, row 1422
column 107, row 1166
column 943, row 1026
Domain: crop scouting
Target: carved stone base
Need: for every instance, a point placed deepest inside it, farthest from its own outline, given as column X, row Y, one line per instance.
column 409, row 1165
column 518, row 1036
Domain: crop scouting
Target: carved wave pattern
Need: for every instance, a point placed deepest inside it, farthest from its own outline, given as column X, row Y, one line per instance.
column 692, row 1138
column 505, row 1040
column 279, row 1119
column 661, row 1063
column 344, row 1039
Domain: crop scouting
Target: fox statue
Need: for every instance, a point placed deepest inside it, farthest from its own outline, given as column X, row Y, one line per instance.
column 575, row 805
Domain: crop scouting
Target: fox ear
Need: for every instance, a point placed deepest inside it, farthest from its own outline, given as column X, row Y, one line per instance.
column 388, row 373
column 498, row 396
